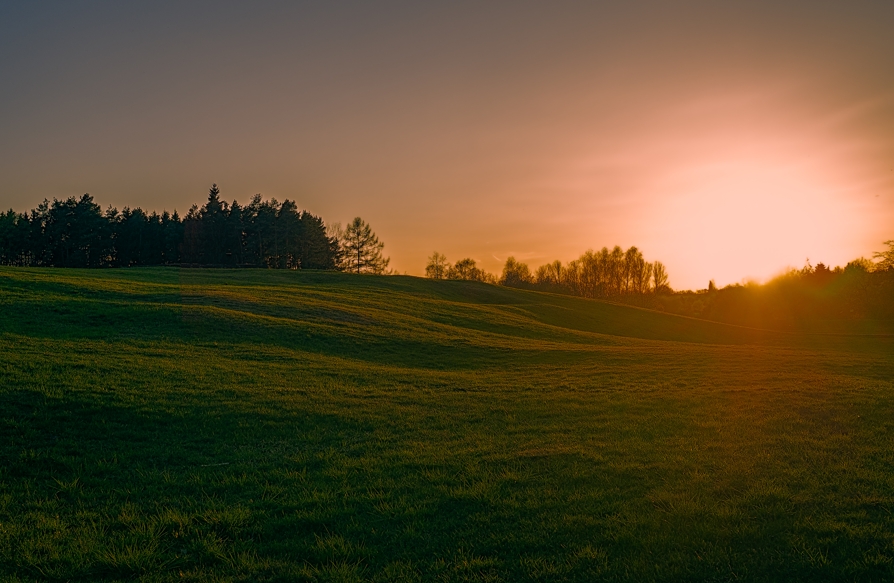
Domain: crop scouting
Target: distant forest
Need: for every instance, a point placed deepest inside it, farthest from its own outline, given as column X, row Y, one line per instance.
column 798, row 299
column 602, row 274
column 264, row 233
column 863, row 289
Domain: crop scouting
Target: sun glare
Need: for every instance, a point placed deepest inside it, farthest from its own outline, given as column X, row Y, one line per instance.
column 752, row 219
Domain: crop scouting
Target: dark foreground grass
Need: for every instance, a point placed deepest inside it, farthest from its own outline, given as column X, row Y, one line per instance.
column 167, row 425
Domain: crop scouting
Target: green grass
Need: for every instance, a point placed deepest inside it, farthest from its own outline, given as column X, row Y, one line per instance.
column 205, row 425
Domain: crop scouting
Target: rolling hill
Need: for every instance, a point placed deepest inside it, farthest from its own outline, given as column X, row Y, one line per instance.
column 254, row 425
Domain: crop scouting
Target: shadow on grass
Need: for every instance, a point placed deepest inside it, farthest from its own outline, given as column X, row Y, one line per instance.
column 99, row 491
column 200, row 322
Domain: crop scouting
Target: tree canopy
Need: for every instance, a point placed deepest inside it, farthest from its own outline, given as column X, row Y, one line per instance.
column 362, row 250
column 603, row 274
column 437, row 266
column 886, row 258
column 75, row 232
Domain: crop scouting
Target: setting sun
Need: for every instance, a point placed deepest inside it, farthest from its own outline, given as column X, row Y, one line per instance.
column 750, row 219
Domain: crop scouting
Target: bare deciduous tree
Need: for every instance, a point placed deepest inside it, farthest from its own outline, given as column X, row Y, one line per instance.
column 437, row 267
column 515, row 273
column 886, row 258
column 659, row 277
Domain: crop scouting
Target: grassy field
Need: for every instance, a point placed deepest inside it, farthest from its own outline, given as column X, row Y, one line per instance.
column 205, row 425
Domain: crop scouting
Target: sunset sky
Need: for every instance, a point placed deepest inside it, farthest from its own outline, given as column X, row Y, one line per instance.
column 728, row 140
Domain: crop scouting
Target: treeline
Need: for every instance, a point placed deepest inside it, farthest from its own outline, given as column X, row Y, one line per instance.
column 264, row 233
column 799, row 299
column 465, row 269
column 607, row 273
column 806, row 298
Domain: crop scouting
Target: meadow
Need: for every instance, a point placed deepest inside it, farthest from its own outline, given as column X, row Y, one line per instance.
column 248, row 425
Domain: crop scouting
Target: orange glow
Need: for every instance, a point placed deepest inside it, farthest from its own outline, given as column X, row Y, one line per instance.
column 728, row 140
column 750, row 219
column 737, row 189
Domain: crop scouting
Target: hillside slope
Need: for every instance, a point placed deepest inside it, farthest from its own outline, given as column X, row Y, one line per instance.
column 245, row 425
column 323, row 307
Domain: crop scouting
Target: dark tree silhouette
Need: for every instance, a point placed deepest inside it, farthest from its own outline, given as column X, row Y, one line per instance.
column 516, row 274
column 15, row 235
column 316, row 249
column 213, row 217
column 362, row 249
column 549, row 275
column 659, row 278
column 467, row 270
column 437, row 267
column 64, row 233
column 886, row 258
column 75, row 233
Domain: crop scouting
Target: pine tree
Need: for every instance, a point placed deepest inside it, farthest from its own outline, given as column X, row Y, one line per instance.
column 362, row 249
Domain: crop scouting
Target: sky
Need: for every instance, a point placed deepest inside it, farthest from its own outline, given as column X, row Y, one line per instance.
column 728, row 140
